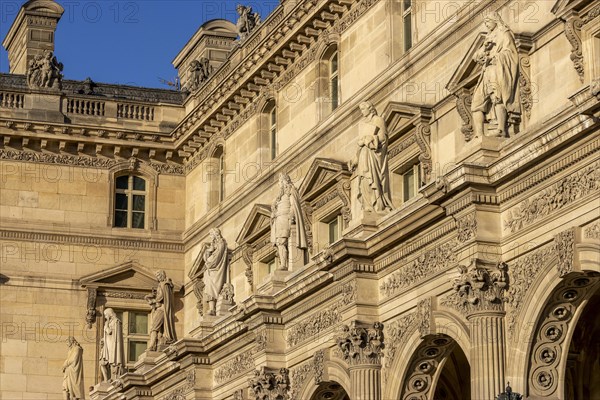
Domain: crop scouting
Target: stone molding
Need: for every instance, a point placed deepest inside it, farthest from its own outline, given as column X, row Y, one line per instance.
column 300, row 374
column 361, row 344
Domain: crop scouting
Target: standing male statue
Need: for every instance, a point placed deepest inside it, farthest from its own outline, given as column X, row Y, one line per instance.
column 73, row 371
column 112, row 356
column 496, row 95
column 163, row 313
column 285, row 211
column 371, row 162
column 216, row 272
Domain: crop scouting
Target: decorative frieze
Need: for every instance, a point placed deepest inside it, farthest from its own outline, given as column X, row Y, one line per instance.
column 313, row 326
column 300, row 374
column 348, row 293
column 234, row 367
column 319, row 365
column 181, row 392
column 270, row 386
column 424, row 317
column 361, row 345
column 426, row 265
column 592, row 231
column 552, row 199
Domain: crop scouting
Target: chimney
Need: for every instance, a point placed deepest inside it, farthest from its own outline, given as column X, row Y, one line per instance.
column 31, row 33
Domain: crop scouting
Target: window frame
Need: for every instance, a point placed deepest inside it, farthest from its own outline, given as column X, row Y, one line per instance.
column 415, row 168
column 130, row 192
column 407, row 16
column 334, row 76
column 127, row 336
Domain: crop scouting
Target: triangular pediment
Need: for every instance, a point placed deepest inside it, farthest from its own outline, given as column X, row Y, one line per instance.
column 402, row 117
column 322, row 174
column 468, row 70
column 256, row 225
column 130, row 275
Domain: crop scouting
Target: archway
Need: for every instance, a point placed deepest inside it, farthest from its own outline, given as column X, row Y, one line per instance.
column 330, row 391
column 438, row 369
column 564, row 355
column 583, row 360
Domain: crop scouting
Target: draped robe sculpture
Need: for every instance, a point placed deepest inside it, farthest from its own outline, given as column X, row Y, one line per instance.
column 112, row 358
column 162, row 301
column 73, row 371
column 216, row 272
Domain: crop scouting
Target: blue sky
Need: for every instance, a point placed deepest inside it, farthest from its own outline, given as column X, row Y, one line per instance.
column 127, row 42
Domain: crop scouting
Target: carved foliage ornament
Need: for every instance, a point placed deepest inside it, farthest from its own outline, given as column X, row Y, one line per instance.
column 302, row 373
column 234, row 367
column 397, row 333
column 573, row 25
column 361, row 345
column 90, row 316
column 466, row 227
column 480, row 287
column 270, row 386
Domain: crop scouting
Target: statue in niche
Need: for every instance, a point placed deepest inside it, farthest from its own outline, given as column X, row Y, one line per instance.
column 247, row 20
column 73, row 371
column 162, row 301
column 285, row 211
column 44, row 71
column 216, row 270
column 496, row 96
column 112, row 355
column 200, row 71
column 371, row 162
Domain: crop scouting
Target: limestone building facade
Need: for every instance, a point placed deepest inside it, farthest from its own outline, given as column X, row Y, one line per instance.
column 346, row 199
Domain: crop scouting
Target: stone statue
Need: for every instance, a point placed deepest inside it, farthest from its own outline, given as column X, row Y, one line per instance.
column 162, row 302
column 200, row 71
column 496, row 96
column 371, row 162
column 216, row 269
column 44, row 71
column 73, row 371
column 285, row 211
column 247, row 21
column 112, row 355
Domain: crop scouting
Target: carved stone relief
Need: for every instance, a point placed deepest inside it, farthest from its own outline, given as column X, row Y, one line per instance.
column 301, row 373
column 247, row 256
column 592, row 231
column 269, row 385
column 313, row 325
column 397, row 332
column 44, row 71
column 564, row 244
column 181, row 392
column 360, row 344
column 466, row 227
column 557, row 196
column 90, row 316
column 426, row 265
column 424, row 317
column 234, row 367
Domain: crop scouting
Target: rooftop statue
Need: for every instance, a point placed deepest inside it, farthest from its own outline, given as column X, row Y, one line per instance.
column 496, row 96
column 371, row 162
column 247, row 21
column 45, row 71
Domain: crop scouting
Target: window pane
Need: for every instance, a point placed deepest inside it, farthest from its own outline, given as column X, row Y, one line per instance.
column 334, row 63
column 408, row 184
column 405, row 5
column 333, row 230
column 334, row 92
column 136, row 348
column 139, row 203
column 137, row 220
column 273, row 116
column 139, row 183
column 122, row 182
column 272, row 265
column 407, row 32
column 138, row 323
column 121, row 219
column 121, row 201
column 273, row 143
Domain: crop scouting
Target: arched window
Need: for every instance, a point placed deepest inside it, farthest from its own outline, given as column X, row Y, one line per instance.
column 334, row 89
column 407, row 23
column 130, row 202
column 268, row 127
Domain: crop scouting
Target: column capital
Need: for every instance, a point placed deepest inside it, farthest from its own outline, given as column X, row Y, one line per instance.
column 361, row 344
column 267, row 385
column 480, row 287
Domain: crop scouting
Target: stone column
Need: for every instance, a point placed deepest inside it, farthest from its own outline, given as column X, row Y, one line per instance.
column 480, row 290
column 361, row 347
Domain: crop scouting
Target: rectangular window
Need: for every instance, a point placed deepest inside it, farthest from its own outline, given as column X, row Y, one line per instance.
column 407, row 23
column 271, row 265
column 273, row 132
column 136, row 330
column 334, row 81
column 334, row 227
column 130, row 202
column 410, row 183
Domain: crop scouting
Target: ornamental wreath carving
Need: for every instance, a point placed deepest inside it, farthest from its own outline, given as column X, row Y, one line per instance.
column 361, row 345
